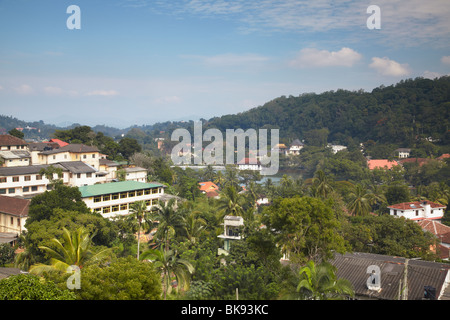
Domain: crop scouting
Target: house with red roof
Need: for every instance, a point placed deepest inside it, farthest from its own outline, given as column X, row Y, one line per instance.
column 442, row 232
column 418, row 210
column 59, row 142
column 381, row 164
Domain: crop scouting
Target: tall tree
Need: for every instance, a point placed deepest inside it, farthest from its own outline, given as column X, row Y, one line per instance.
column 170, row 264
column 138, row 213
column 76, row 249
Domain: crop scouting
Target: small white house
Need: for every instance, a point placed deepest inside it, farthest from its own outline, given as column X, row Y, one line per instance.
column 403, row 152
column 418, row 210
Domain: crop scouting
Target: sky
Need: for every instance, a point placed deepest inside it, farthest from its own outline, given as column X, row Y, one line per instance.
column 138, row 62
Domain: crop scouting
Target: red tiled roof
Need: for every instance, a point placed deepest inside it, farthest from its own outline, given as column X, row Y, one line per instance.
column 59, row 142
column 381, row 164
column 14, row 206
column 414, row 205
column 9, row 140
column 249, row 161
column 440, row 230
column 208, row 186
column 444, row 156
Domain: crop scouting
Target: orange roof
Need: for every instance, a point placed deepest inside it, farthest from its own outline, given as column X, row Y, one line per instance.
column 444, row 156
column 208, row 186
column 60, row 142
column 381, row 164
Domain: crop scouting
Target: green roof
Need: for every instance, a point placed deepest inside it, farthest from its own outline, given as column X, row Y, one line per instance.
column 115, row 187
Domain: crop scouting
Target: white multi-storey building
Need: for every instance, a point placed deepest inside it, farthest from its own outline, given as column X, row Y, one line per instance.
column 115, row 198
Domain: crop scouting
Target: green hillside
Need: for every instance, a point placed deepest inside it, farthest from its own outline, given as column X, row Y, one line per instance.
column 397, row 114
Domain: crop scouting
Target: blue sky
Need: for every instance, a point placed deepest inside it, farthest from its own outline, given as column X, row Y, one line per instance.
column 145, row 61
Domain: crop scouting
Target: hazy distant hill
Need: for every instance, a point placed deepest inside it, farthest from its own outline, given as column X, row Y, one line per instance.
column 394, row 114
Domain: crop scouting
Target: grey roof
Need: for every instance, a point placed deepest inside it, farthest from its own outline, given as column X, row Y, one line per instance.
column 353, row 267
column 43, row 146
column 22, row 170
column 76, row 167
column 15, row 154
column 297, row 142
column 71, row 166
column 108, row 163
column 135, row 169
column 75, row 148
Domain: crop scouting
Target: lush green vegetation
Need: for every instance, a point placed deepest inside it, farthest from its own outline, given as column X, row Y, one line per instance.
column 325, row 203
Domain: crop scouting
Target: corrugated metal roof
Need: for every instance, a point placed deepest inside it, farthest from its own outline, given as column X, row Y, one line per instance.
column 353, row 267
column 115, row 187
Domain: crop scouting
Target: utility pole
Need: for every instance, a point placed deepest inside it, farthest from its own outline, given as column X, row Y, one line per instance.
column 405, row 282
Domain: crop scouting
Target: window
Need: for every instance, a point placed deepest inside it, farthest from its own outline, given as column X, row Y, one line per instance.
column 12, row 221
column 107, row 197
column 123, row 195
column 417, row 213
column 84, row 156
column 38, row 177
column 34, row 188
column 131, row 194
column 115, row 196
column 106, row 209
column 11, row 190
column 115, row 208
column 154, row 190
column 139, row 193
column 18, row 222
column 2, row 191
column 124, row 206
column 3, row 179
column 395, row 212
column 78, row 175
column 97, row 198
column 15, row 179
column 27, row 178
column 147, row 191
column 54, row 157
column 93, row 156
column 25, row 189
column 89, row 175
column 148, row 202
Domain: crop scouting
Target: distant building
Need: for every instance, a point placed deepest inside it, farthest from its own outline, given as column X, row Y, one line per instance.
column 441, row 232
column 115, row 198
column 335, row 148
column 402, row 152
column 9, row 142
column 71, row 152
column 417, row 210
column 295, row 147
column 136, row 174
column 232, row 227
column 249, row 164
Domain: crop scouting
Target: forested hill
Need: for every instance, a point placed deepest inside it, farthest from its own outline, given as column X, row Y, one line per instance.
column 396, row 114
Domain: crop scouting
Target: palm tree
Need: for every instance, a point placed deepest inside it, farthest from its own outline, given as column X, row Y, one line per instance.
column 169, row 220
column 362, row 199
column 231, row 202
column 209, row 173
column 170, row 264
column 75, row 250
column 220, row 179
column 193, row 225
column 319, row 282
column 138, row 213
column 321, row 184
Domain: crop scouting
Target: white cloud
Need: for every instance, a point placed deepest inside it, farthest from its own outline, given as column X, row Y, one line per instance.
column 168, row 99
column 24, row 89
column 56, row 91
column 311, row 57
column 445, row 59
column 388, row 67
column 105, row 93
